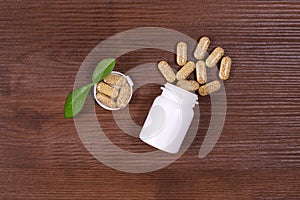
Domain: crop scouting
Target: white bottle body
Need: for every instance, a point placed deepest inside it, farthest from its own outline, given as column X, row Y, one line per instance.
column 169, row 119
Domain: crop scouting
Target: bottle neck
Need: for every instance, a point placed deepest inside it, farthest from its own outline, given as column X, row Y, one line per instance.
column 179, row 95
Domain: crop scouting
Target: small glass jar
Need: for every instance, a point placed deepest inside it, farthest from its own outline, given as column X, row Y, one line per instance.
column 169, row 119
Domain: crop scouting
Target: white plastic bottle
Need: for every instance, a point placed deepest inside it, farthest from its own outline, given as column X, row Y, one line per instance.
column 169, row 118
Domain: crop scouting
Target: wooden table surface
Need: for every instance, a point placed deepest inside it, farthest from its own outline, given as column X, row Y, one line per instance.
column 43, row 44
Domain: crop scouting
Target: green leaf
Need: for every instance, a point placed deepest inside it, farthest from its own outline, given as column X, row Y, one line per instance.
column 103, row 69
column 76, row 100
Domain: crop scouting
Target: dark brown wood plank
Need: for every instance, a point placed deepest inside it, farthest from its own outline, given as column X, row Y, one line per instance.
column 42, row 47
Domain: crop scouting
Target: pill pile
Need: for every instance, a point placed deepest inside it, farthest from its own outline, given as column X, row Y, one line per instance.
column 188, row 67
column 114, row 91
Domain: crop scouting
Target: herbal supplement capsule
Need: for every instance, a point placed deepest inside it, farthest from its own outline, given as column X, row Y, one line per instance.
column 166, row 71
column 201, row 74
column 225, row 68
column 194, row 84
column 124, row 95
column 185, row 71
column 189, row 85
column 107, row 89
column 106, row 100
column 181, row 53
column 209, row 88
column 214, row 57
column 115, row 79
column 201, row 48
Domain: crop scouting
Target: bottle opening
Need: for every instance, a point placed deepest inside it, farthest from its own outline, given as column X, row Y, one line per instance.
column 184, row 96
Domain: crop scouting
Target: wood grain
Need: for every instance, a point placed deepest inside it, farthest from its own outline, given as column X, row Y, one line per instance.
column 43, row 44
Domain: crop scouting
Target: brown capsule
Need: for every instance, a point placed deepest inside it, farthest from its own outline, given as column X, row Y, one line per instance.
column 201, row 73
column 201, row 48
column 209, row 88
column 225, row 68
column 124, row 95
column 185, row 71
column 181, row 57
column 106, row 100
column 189, row 85
column 214, row 57
column 115, row 79
column 107, row 90
column 166, row 71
